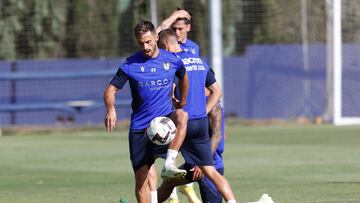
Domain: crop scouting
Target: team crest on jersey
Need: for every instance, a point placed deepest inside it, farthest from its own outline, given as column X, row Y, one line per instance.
column 166, row 66
column 192, row 50
column 142, row 68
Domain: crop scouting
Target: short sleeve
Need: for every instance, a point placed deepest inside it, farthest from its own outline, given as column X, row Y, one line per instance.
column 197, row 48
column 181, row 71
column 210, row 79
column 119, row 79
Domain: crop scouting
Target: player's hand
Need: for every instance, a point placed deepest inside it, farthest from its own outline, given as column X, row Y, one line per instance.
column 110, row 120
column 197, row 173
column 176, row 103
column 180, row 14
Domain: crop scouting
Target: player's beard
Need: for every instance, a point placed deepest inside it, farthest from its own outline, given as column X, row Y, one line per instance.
column 149, row 53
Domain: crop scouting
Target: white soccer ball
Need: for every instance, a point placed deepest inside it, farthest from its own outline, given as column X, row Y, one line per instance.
column 161, row 131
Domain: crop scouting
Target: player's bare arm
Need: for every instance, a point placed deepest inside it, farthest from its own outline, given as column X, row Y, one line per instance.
column 109, row 100
column 183, row 86
column 214, row 97
column 215, row 123
column 169, row 21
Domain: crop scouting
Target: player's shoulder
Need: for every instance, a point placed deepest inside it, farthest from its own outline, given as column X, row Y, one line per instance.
column 135, row 58
column 131, row 61
column 186, row 54
column 192, row 43
column 164, row 53
column 169, row 56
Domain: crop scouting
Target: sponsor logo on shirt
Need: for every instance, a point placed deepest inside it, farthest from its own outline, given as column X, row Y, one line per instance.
column 155, row 84
column 195, row 67
column 188, row 61
column 142, row 68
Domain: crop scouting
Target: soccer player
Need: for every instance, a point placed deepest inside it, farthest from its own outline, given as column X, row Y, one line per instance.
column 196, row 148
column 208, row 191
column 150, row 73
column 180, row 22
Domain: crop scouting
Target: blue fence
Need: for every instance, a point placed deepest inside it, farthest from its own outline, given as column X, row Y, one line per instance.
column 269, row 81
column 56, row 91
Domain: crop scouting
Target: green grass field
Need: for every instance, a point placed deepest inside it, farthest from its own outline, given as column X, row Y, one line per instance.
column 294, row 164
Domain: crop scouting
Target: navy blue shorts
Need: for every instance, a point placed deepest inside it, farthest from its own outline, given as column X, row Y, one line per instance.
column 142, row 150
column 196, row 148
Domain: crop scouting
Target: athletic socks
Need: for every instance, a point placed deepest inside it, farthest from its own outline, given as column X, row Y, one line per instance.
column 170, row 157
column 154, row 198
column 173, row 194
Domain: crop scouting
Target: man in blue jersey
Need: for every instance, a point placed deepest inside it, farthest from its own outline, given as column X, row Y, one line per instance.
column 196, row 148
column 180, row 22
column 150, row 73
column 182, row 26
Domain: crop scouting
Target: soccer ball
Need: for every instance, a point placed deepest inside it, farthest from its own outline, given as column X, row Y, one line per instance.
column 161, row 131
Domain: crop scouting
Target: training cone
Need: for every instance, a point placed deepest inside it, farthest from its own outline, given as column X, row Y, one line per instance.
column 124, row 200
column 265, row 198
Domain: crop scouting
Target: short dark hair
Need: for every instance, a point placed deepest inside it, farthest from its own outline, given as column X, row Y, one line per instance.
column 143, row 27
column 164, row 35
column 186, row 20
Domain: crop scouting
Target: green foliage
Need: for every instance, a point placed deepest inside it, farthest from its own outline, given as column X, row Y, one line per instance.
column 32, row 28
column 95, row 24
column 132, row 14
column 88, row 28
column 9, row 26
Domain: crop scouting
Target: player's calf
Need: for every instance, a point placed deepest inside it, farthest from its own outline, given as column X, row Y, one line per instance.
column 180, row 117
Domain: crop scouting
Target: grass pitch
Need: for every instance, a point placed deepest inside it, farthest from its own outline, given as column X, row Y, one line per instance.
column 294, row 164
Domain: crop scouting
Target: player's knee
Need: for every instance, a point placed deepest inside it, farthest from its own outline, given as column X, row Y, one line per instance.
column 152, row 175
column 141, row 174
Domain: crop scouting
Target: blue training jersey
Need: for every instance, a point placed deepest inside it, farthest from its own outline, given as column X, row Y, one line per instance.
column 190, row 46
column 199, row 77
column 150, row 81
